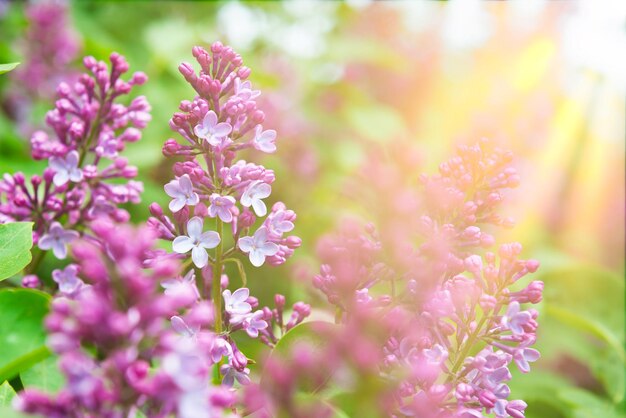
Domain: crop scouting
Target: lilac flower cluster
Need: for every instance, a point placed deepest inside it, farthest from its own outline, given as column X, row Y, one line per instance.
column 48, row 47
column 211, row 190
column 442, row 329
column 109, row 325
column 220, row 122
column 82, row 182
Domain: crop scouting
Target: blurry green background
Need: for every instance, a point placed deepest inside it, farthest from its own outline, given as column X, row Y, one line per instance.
column 348, row 83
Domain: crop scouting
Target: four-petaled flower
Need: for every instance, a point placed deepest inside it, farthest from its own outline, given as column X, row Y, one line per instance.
column 182, row 192
column 175, row 285
column 180, row 326
column 221, row 206
column 69, row 284
column 522, row 356
column 264, row 140
column 514, row 319
column 253, row 323
column 230, row 374
column 244, row 90
column 57, row 239
column 66, row 169
column 253, row 195
column 220, row 348
column 277, row 223
column 196, row 241
column 211, row 131
column 235, row 303
column 258, row 247
column 436, row 355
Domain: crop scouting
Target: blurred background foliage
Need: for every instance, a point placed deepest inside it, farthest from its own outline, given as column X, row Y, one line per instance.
column 357, row 88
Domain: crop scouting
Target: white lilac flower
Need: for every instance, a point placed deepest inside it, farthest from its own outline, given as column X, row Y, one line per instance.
column 522, row 356
column 436, row 355
column 264, row 140
column 235, row 303
column 175, row 285
column 253, row 323
column 57, row 239
column 180, row 326
column 197, row 242
column 231, row 374
column 181, row 190
column 220, row 348
column 253, row 195
column 257, row 247
column 212, row 131
column 221, row 206
column 244, row 90
column 66, row 169
column 69, row 283
column 278, row 224
column 515, row 320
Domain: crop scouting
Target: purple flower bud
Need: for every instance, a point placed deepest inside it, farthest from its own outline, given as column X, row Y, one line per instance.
column 31, row 281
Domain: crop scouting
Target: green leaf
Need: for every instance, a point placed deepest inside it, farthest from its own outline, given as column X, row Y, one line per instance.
column 5, row 68
column 587, row 405
column 309, row 333
column 6, row 394
column 16, row 240
column 22, row 335
column 589, row 325
column 44, row 375
column 9, row 412
column 584, row 304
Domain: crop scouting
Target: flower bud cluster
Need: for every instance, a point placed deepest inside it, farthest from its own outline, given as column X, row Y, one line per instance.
column 86, row 176
column 110, row 327
column 459, row 325
column 221, row 121
column 219, row 211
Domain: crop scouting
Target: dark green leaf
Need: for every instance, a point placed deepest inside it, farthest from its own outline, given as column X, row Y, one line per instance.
column 22, row 336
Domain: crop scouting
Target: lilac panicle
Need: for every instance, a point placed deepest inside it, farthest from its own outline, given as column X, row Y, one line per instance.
column 88, row 129
column 437, row 327
column 222, row 120
column 50, row 45
column 217, row 203
column 110, row 327
column 48, row 48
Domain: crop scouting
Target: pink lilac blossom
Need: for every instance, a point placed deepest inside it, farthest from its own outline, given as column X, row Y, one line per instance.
column 49, row 46
column 81, row 182
column 117, row 350
column 410, row 327
column 197, row 242
column 213, row 188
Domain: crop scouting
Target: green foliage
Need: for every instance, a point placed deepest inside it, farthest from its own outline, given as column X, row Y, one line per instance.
column 583, row 305
column 5, row 68
column 7, row 393
column 44, row 375
column 22, row 336
column 16, row 240
column 309, row 333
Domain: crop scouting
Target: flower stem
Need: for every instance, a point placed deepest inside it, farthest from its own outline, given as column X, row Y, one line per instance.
column 37, row 258
column 216, row 293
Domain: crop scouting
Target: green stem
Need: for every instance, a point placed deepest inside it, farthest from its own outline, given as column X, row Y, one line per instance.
column 200, row 282
column 34, row 264
column 216, row 293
